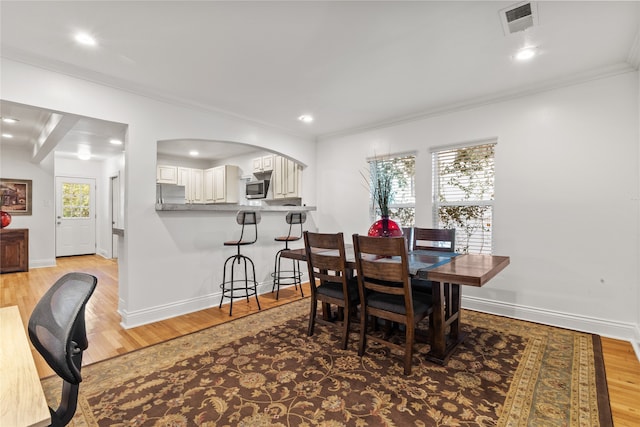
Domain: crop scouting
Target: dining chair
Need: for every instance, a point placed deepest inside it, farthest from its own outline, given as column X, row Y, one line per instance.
column 57, row 330
column 329, row 279
column 385, row 291
column 431, row 239
column 434, row 239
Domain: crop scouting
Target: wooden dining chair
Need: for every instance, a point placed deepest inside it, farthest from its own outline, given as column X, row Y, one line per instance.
column 329, row 279
column 434, row 239
column 385, row 291
column 431, row 239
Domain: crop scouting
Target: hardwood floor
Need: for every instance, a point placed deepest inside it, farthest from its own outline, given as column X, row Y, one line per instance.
column 108, row 339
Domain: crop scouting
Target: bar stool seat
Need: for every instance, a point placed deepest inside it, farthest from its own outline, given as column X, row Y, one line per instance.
column 248, row 285
column 294, row 276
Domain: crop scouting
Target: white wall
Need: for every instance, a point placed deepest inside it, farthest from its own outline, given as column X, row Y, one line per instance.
column 167, row 265
column 566, row 208
column 16, row 164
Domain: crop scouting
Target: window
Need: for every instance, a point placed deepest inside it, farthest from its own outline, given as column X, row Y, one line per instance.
column 75, row 200
column 402, row 205
column 463, row 191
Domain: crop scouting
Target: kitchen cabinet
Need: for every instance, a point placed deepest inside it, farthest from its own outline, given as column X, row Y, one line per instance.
column 14, row 250
column 221, row 184
column 192, row 179
column 286, row 178
column 263, row 164
column 166, row 174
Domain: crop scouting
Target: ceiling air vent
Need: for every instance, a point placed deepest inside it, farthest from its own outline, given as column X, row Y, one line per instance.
column 519, row 17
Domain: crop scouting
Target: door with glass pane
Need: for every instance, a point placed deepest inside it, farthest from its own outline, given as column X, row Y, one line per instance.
column 75, row 216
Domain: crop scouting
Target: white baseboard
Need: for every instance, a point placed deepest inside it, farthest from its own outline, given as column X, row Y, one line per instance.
column 607, row 328
column 155, row 314
column 41, row 263
column 619, row 330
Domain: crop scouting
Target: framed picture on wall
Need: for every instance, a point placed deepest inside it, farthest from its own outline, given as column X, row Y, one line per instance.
column 15, row 196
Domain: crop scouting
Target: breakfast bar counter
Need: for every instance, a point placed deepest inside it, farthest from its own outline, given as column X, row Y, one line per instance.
column 230, row 207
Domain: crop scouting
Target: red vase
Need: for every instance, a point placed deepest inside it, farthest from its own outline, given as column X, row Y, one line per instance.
column 385, row 227
column 5, row 219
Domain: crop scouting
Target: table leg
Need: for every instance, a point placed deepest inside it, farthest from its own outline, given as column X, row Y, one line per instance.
column 439, row 339
column 446, row 299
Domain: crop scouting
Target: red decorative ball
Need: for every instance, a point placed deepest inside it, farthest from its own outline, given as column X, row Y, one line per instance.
column 385, row 227
column 5, row 219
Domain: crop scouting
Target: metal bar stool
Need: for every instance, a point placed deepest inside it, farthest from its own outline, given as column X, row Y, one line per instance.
column 289, row 277
column 250, row 285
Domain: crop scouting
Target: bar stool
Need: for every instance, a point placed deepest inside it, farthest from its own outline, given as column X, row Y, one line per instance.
column 289, row 277
column 250, row 285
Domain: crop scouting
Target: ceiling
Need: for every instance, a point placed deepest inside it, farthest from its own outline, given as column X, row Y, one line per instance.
column 352, row 65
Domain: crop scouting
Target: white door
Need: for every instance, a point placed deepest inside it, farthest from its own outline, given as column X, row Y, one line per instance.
column 75, row 216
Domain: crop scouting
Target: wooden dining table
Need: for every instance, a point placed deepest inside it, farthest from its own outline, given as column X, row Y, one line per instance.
column 447, row 271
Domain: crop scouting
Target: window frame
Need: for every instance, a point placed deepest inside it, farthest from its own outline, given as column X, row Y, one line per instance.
column 374, row 212
column 464, row 242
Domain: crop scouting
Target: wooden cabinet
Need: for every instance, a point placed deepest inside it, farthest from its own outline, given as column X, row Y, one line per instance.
column 193, row 180
column 14, row 250
column 286, row 178
column 166, row 174
column 223, row 183
column 263, row 164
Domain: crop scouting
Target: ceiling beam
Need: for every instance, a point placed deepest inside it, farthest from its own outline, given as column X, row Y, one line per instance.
column 53, row 132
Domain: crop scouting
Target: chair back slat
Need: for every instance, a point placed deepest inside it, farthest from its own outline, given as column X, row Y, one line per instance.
column 433, row 239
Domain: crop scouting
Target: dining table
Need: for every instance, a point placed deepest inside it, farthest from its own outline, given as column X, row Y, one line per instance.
column 447, row 272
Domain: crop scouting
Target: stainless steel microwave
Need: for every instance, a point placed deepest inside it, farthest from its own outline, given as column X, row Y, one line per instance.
column 257, row 189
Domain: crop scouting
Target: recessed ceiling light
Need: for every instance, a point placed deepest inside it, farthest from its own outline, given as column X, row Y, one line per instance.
column 305, row 118
column 9, row 120
column 526, row 54
column 7, row 135
column 115, row 142
column 85, row 39
column 193, row 153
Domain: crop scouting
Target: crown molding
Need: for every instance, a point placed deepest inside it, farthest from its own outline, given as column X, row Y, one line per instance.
column 578, row 78
column 61, row 67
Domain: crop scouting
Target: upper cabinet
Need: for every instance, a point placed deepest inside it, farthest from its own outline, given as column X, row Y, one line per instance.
column 221, row 184
column 263, row 164
column 167, row 174
column 286, row 179
column 192, row 179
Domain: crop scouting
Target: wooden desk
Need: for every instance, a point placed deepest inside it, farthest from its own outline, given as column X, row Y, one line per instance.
column 22, row 402
column 447, row 271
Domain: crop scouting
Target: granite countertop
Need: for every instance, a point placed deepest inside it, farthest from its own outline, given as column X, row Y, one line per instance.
column 230, row 208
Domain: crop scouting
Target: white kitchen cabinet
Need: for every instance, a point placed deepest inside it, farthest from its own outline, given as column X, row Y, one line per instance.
column 166, row 174
column 193, row 180
column 263, row 164
column 221, row 184
column 286, row 178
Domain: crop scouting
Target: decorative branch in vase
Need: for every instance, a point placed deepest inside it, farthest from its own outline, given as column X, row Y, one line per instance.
column 381, row 187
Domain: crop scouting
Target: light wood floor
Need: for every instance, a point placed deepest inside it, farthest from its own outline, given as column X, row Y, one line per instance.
column 108, row 339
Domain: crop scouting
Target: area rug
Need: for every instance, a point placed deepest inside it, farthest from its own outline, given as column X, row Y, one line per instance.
column 263, row 370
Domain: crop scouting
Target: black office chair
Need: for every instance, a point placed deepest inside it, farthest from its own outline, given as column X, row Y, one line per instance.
column 57, row 330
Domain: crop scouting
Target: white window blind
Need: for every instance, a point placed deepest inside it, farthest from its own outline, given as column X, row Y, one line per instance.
column 463, row 189
column 403, row 194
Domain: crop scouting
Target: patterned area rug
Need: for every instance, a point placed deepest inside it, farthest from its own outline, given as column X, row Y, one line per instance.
column 263, row 370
